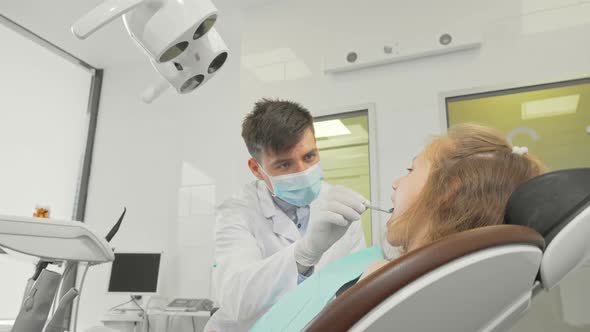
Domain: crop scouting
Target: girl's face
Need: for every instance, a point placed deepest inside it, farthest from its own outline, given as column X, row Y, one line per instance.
column 406, row 190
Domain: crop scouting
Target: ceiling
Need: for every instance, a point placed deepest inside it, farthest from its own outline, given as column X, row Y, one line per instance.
column 107, row 47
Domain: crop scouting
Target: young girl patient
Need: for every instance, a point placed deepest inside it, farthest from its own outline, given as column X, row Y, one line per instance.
column 460, row 181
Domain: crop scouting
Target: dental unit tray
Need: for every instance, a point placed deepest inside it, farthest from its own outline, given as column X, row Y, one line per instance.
column 54, row 240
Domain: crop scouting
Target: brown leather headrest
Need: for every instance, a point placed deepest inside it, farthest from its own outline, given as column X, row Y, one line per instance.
column 348, row 308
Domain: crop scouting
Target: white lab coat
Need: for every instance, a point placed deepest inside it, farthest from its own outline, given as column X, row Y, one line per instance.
column 254, row 256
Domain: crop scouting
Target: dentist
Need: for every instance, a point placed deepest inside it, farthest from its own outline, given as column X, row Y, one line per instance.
column 282, row 227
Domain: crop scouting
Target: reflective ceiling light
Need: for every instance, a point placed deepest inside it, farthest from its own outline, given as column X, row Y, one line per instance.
column 217, row 63
column 192, row 83
column 549, row 107
column 205, row 27
column 173, row 51
column 330, row 128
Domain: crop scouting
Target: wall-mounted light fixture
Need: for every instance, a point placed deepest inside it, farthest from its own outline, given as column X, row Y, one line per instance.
column 398, row 51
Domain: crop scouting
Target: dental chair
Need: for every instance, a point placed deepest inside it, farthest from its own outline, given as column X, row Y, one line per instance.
column 478, row 280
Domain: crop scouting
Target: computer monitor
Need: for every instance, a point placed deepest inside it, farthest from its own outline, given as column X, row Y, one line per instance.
column 135, row 273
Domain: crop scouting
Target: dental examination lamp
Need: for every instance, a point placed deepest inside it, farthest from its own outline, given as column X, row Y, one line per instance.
column 54, row 242
column 177, row 36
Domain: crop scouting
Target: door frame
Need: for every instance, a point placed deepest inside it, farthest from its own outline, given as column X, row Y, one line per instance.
column 369, row 109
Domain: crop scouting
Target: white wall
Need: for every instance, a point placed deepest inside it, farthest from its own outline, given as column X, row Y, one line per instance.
column 169, row 163
column 43, row 121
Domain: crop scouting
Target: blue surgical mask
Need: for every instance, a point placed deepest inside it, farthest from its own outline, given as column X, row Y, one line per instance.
column 299, row 189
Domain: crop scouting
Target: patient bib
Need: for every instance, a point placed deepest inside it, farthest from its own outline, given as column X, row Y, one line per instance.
column 299, row 306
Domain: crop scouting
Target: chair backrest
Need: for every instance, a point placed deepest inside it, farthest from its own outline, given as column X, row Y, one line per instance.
column 477, row 280
column 557, row 205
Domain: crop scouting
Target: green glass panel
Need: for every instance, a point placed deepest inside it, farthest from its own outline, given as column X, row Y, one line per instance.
column 345, row 160
column 552, row 122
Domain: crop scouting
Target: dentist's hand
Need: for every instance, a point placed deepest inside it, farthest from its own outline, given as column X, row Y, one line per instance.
column 329, row 220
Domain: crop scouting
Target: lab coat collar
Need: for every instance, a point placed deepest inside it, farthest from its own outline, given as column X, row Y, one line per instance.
column 264, row 197
column 281, row 224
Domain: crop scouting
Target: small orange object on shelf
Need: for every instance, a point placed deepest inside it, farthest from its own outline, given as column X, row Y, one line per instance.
column 41, row 212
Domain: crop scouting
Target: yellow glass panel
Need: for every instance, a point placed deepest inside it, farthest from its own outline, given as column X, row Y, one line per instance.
column 344, row 156
column 552, row 122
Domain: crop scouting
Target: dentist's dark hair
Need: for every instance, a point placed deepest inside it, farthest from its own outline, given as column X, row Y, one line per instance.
column 275, row 126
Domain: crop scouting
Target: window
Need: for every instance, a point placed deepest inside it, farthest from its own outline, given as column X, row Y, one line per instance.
column 552, row 120
column 343, row 141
